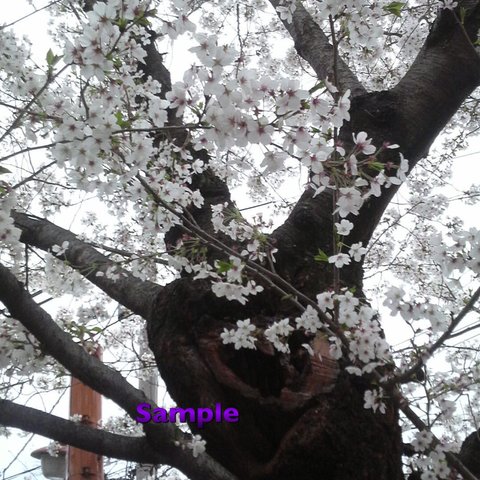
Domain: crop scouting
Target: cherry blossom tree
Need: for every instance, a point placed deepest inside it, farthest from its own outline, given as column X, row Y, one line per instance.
column 123, row 210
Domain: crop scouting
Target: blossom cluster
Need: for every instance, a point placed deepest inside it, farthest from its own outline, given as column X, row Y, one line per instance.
column 374, row 399
column 367, row 345
column 397, row 302
column 362, row 329
column 286, row 9
column 228, row 278
column 97, row 153
column 362, row 20
column 19, row 353
column 463, row 254
column 433, row 464
column 9, row 234
column 241, row 337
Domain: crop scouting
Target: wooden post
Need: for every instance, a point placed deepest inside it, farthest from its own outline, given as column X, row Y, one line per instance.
column 150, row 388
column 86, row 402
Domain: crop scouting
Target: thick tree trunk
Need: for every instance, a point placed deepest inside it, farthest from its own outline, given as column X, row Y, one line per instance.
column 299, row 418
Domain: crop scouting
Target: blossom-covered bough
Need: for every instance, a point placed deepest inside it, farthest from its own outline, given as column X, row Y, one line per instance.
column 278, row 323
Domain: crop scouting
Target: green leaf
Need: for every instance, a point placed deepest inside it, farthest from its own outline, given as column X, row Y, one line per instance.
column 117, row 63
column 4, row 170
column 377, row 166
column 151, row 13
column 321, row 256
column 395, row 8
column 121, row 122
column 223, row 266
column 122, row 24
column 144, row 22
column 52, row 59
column 317, row 86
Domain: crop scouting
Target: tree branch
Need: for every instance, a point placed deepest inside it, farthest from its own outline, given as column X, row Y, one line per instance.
column 445, row 72
column 135, row 449
column 59, row 344
column 213, row 189
column 130, row 291
column 313, row 46
column 107, row 381
column 430, row 350
column 153, row 65
column 453, row 460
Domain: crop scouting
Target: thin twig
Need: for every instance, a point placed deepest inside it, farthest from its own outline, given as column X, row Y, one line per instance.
column 428, row 352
